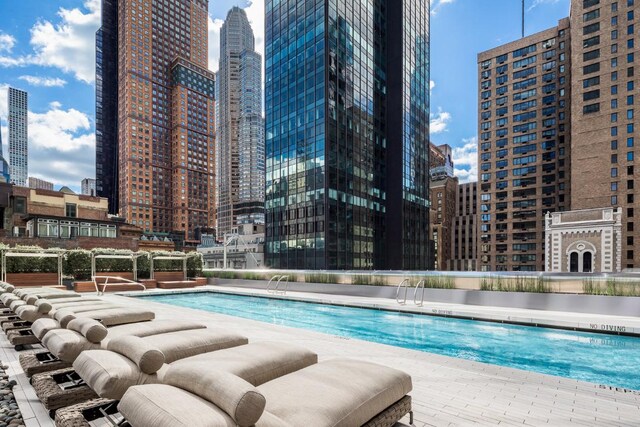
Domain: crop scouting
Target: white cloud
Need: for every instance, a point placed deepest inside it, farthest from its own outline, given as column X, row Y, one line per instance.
column 436, row 5
column 439, row 122
column 465, row 160
column 69, row 44
column 432, row 84
column 44, row 81
column 7, row 41
column 214, row 42
column 59, row 129
column 4, row 101
column 537, row 3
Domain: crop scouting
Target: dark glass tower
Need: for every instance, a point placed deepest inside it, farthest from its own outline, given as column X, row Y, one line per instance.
column 107, row 105
column 347, row 134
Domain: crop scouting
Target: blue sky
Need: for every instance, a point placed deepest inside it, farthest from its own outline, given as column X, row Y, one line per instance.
column 47, row 48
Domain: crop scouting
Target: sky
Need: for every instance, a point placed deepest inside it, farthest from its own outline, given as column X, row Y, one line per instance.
column 47, row 47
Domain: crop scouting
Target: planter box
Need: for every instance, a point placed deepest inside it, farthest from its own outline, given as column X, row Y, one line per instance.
column 32, row 279
column 149, row 283
column 168, row 276
column 84, row 286
column 200, row 281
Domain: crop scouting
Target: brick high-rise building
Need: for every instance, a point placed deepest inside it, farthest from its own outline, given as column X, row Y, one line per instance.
column 18, row 136
column 605, row 51
column 444, row 189
column 524, row 128
column 165, row 115
column 40, row 184
column 464, row 235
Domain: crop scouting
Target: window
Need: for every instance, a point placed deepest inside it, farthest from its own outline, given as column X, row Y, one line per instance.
column 614, row 158
column 591, row 28
column 593, row 41
column 592, row 108
column 589, row 3
column 20, row 205
column 592, row 68
column 591, row 55
column 588, row 96
column 71, row 210
column 614, row 172
column 524, row 51
column 593, row 81
column 590, row 16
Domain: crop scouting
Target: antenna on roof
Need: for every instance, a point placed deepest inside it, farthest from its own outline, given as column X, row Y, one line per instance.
column 522, row 18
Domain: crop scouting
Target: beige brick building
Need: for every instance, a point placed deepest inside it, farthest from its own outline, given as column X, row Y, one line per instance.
column 604, row 131
column 524, row 138
column 464, row 235
column 584, row 241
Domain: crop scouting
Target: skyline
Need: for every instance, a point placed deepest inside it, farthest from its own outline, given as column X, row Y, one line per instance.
column 50, row 53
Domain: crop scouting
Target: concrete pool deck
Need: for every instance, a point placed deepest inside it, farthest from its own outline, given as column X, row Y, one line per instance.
column 447, row 391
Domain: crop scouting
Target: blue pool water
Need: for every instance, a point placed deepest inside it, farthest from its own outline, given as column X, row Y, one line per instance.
column 604, row 359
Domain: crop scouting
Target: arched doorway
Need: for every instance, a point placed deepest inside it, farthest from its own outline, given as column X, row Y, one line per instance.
column 574, row 259
column 587, row 262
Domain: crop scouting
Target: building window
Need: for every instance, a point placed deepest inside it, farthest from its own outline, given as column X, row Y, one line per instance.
column 20, row 205
column 71, row 210
column 573, row 263
column 587, row 259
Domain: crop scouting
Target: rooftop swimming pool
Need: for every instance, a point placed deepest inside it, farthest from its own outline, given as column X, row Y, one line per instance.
column 603, row 359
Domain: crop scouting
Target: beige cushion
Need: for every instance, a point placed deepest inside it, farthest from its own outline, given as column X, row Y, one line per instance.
column 148, row 358
column 64, row 317
column 7, row 298
column 110, row 374
column 28, row 313
column 43, row 306
column 256, row 363
column 144, row 329
column 239, row 399
column 340, row 393
column 66, row 344
column 13, row 305
column 120, row 316
column 41, row 326
column 31, row 299
column 92, row 330
column 182, row 344
column 9, row 288
column 162, row 405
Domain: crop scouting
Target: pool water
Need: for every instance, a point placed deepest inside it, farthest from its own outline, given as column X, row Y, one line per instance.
column 603, row 359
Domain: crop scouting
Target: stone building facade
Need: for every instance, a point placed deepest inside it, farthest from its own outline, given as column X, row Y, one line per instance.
column 464, row 233
column 584, row 241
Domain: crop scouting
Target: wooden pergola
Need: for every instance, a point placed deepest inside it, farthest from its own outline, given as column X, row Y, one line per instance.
column 133, row 256
column 17, row 253
column 176, row 256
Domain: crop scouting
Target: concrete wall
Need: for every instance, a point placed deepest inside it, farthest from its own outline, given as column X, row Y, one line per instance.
column 593, row 304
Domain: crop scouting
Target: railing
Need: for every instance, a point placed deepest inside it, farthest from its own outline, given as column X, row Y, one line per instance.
column 419, row 285
column 404, row 284
column 279, row 279
column 121, row 281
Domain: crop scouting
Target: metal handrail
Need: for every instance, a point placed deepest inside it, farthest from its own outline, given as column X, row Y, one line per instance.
column 269, row 290
column 286, row 285
column 420, row 284
column 120, row 281
column 405, row 283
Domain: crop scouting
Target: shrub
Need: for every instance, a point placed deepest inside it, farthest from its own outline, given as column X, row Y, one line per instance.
column 439, row 282
column 320, row 278
column 368, row 279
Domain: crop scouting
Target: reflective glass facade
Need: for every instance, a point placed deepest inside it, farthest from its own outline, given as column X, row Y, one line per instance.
column 107, row 105
column 347, row 125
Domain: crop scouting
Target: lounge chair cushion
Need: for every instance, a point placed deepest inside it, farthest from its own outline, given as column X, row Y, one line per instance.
column 110, row 374
column 161, row 405
column 339, row 392
column 64, row 317
column 145, row 329
column 148, row 358
column 9, row 288
column 239, row 399
column 256, row 363
column 28, row 313
column 91, row 329
column 66, row 344
column 119, row 316
column 41, row 326
column 13, row 305
column 182, row 344
column 7, row 298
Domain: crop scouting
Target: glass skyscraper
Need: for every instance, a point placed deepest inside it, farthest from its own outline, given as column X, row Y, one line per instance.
column 347, row 134
column 240, row 127
column 18, row 136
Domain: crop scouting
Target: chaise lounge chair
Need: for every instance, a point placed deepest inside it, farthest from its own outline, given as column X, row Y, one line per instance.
column 110, row 373
column 335, row 393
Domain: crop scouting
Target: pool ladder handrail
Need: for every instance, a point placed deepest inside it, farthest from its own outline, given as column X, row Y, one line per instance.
column 419, row 285
column 404, row 284
column 276, row 289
